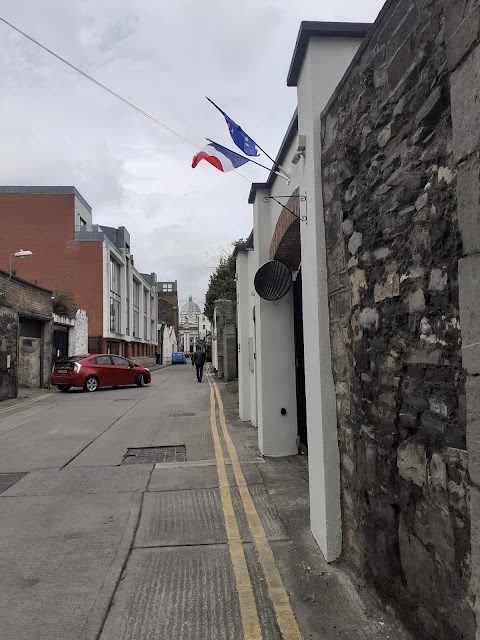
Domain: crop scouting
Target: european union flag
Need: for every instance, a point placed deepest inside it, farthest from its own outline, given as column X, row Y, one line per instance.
column 240, row 138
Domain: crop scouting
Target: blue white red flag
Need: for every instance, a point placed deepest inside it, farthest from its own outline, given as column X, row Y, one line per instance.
column 240, row 138
column 220, row 157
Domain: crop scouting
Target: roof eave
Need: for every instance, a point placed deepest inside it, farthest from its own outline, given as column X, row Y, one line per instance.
column 311, row 29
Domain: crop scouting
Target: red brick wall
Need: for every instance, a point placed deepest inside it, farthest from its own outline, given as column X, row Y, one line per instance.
column 285, row 245
column 172, row 298
column 45, row 225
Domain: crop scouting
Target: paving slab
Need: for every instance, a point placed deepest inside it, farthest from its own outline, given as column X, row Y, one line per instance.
column 195, row 517
column 182, row 478
column 178, row 476
column 176, row 593
column 82, row 480
column 54, row 554
column 51, row 442
column 326, row 603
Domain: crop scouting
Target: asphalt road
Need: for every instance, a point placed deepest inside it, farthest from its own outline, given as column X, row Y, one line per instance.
column 209, row 543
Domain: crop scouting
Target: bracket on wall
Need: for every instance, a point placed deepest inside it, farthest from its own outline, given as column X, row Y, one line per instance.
column 302, row 199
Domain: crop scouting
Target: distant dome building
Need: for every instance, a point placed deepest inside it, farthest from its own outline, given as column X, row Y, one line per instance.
column 193, row 326
column 189, row 311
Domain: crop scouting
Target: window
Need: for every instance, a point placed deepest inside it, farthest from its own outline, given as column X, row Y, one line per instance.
column 167, row 286
column 101, row 360
column 115, row 323
column 120, row 362
column 136, row 308
column 127, row 316
column 204, row 327
column 145, row 308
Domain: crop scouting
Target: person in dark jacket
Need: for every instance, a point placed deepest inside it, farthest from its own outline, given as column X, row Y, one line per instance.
column 198, row 360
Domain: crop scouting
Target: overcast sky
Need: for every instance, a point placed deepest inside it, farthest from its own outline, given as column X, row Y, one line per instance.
column 56, row 128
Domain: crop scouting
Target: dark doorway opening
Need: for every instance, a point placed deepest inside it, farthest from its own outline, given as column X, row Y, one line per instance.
column 60, row 343
column 300, row 365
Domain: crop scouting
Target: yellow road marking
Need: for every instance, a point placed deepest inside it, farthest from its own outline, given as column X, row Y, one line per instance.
column 22, row 404
column 283, row 610
column 248, row 607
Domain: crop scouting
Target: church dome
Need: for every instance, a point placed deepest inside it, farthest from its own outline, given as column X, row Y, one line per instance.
column 190, row 307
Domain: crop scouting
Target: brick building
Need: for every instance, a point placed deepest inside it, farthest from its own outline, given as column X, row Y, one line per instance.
column 25, row 335
column 93, row 262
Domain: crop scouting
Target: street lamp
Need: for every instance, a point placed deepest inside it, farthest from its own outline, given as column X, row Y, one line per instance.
column 18, row 254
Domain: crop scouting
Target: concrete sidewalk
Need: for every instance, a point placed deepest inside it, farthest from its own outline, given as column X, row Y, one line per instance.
column 327, row 601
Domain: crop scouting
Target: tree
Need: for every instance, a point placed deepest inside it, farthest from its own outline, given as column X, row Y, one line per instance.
column 222, row 284
column 64, row 303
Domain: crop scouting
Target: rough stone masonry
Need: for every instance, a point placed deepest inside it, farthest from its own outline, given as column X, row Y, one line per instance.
column 401, row 208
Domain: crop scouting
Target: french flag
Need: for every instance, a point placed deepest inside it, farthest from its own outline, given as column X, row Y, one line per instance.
column 222, row 158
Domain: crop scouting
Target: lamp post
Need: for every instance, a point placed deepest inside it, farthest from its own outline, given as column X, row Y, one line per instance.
column 18, row 254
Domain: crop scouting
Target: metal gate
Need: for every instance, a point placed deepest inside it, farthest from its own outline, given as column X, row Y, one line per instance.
column 300, row 364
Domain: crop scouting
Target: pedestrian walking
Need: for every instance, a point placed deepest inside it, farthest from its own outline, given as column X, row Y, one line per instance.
column 198, row 359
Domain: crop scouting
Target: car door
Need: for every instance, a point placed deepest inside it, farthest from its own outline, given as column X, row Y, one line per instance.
column 102, row 367
column 122, row 371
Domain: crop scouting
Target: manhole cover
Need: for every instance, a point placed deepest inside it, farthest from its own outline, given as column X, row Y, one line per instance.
column 176, row 415
column 9, row 479
column 152, row 455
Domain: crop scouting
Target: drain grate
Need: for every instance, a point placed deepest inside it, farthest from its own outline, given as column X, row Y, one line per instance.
column 177, row 415
column 7, row 480
column 152, row 455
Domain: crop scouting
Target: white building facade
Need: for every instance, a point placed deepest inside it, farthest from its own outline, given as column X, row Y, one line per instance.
column 286, row 384
column 193, row 327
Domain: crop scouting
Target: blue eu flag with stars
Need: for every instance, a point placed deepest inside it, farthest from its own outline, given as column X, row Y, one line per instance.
column 240, row 138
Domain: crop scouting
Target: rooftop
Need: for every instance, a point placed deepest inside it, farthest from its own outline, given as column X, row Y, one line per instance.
column 46, row 190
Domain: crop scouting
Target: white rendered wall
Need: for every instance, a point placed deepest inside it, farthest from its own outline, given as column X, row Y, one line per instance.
column 316, row 84
column 275, row 353
column 252, row 260
column 243, row 336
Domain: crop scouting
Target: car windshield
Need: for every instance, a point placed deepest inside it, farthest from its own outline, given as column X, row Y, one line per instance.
column 71, row 359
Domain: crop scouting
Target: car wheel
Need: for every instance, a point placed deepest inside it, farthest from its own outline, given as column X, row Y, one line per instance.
column 91, row 384
column 140, row 380
column 65, row 387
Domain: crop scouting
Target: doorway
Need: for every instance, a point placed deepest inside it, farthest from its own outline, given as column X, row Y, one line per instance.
column 300, row 365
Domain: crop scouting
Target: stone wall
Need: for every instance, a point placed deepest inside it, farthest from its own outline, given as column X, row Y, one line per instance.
column 8, row 353
column 78, row 337
column 393, row 246
column 462, row 31
column 32, row 302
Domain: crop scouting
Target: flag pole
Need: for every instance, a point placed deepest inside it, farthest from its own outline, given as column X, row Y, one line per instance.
column 282, row 171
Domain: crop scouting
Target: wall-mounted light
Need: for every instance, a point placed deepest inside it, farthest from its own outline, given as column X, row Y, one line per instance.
column 301, row 146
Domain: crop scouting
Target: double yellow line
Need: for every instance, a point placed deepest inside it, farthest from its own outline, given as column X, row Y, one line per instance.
column 283, row 610
column 22, row 404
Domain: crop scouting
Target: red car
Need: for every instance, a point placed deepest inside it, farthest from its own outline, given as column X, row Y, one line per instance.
column 99, row 370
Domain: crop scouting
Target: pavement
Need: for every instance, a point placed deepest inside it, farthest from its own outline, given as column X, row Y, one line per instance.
column 208, row 540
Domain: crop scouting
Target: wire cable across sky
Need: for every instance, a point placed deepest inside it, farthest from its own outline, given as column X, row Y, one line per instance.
column 110, row 91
